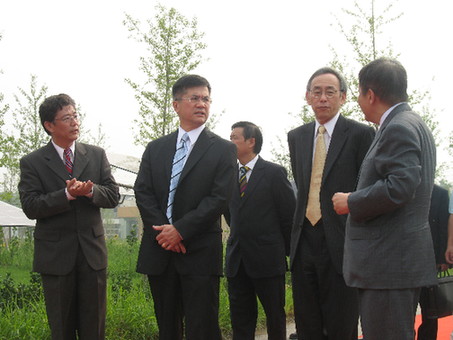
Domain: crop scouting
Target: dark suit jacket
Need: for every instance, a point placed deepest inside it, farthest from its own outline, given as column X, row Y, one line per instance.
column 348, row 145
column 201, row 197
column 388, row 241
column 260, row 223
column 438, row 221
column 62, row 225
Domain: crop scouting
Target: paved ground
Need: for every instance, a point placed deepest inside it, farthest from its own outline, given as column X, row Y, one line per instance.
column 262, row 335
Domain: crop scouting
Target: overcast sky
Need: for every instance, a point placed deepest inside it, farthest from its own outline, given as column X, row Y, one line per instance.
column 261, row 54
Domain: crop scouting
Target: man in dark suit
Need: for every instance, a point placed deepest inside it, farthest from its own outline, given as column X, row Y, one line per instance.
column 181, row 248
column 260, row 216
column 438, row 222
column 63, row 185
column 388, row 247
column 324, row 307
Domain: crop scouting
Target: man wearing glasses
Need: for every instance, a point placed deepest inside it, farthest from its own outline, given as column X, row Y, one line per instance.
column 326, row 155
column 63, row 185
column 183, row 186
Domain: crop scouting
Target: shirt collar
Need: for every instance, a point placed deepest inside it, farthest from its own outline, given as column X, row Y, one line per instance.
column 250, row 164
column 330, row 125
column 192, row 134
column 60, row 150
column 386, row 113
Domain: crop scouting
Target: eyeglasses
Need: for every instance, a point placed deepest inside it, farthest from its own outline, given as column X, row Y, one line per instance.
column 69, row 118
column 196, row 99
column 328, row 93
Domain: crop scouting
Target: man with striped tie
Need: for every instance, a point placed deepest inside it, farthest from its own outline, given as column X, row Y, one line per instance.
column 260, row 217
column 63, row 185
column 183, row 186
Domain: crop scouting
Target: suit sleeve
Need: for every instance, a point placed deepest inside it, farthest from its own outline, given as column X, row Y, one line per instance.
column 398, row 167
column 106, row 192
column 292, row 156
column 285, row 201
column 443, row 226
column 146, row 193
column 36, row 202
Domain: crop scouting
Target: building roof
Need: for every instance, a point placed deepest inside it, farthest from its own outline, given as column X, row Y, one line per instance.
column 11, row 216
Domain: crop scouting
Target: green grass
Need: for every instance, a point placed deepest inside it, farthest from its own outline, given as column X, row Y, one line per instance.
column 130, row 313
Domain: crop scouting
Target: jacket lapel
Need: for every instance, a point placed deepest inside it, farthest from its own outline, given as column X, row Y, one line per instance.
column 80, row 160
column 55, row 162
column 339, row 136
column 199, row 149
column 255, row 178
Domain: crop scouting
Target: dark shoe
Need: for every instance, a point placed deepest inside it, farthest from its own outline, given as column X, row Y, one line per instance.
column 293, row 336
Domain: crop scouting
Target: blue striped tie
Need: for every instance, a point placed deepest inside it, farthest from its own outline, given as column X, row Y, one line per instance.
column 178, row 163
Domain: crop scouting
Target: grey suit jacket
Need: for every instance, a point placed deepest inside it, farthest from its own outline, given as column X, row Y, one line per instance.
column 62, row 225
column 349, row 144
column 388, row 243
column 260, row 223
column 202, row 195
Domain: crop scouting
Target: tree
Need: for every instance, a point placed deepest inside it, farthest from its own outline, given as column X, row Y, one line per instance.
column 173, row 44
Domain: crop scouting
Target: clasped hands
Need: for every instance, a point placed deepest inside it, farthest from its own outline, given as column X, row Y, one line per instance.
column 169, row 238
column 77, row 188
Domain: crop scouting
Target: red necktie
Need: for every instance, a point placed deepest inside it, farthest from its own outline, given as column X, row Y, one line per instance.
column 67, row 159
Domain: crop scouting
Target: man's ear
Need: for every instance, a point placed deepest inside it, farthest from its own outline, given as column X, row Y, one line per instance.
column 371, row 96
column 49, row 126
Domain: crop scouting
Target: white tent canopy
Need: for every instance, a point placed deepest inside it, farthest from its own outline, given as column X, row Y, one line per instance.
column 11, row 216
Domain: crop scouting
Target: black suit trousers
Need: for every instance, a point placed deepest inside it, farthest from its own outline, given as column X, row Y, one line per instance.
column 76, row 303
column 324, row 307
column 243, row 292
column 189, row 300
column 428, row 328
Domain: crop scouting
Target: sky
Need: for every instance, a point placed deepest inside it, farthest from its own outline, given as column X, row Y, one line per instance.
column 260, row 55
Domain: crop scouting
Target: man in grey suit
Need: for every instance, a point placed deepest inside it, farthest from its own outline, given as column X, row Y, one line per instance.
column 63, row 185
column 181, row 248
column 388, row 249
column 260, row 215
column 324, row 307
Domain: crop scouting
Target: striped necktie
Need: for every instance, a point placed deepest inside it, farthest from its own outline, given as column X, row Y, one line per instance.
column 67, row 155
column 243, row 179
column 313, row 212
column 178, row 164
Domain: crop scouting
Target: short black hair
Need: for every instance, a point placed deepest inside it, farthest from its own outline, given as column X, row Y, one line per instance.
column 251, row 130
column 387, row 78
column 329, row 70
column 51, row 105
column 187, row 82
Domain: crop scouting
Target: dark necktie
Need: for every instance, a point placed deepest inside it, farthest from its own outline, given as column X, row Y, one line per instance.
column 67, row 159
column 243, row 179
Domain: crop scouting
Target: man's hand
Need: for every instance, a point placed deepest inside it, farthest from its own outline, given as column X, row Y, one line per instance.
column 169, row 238
column 449, row 254
column 76, row 188
column 340, row 203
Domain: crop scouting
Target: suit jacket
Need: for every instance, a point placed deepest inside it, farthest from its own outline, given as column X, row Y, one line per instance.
column 348, row 145
column 388, row 242
column 62, row 225
column 260, row 223
column 438, row 221
column 202, row 195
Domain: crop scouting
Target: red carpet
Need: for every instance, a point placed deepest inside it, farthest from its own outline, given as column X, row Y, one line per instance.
column 445, row 327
